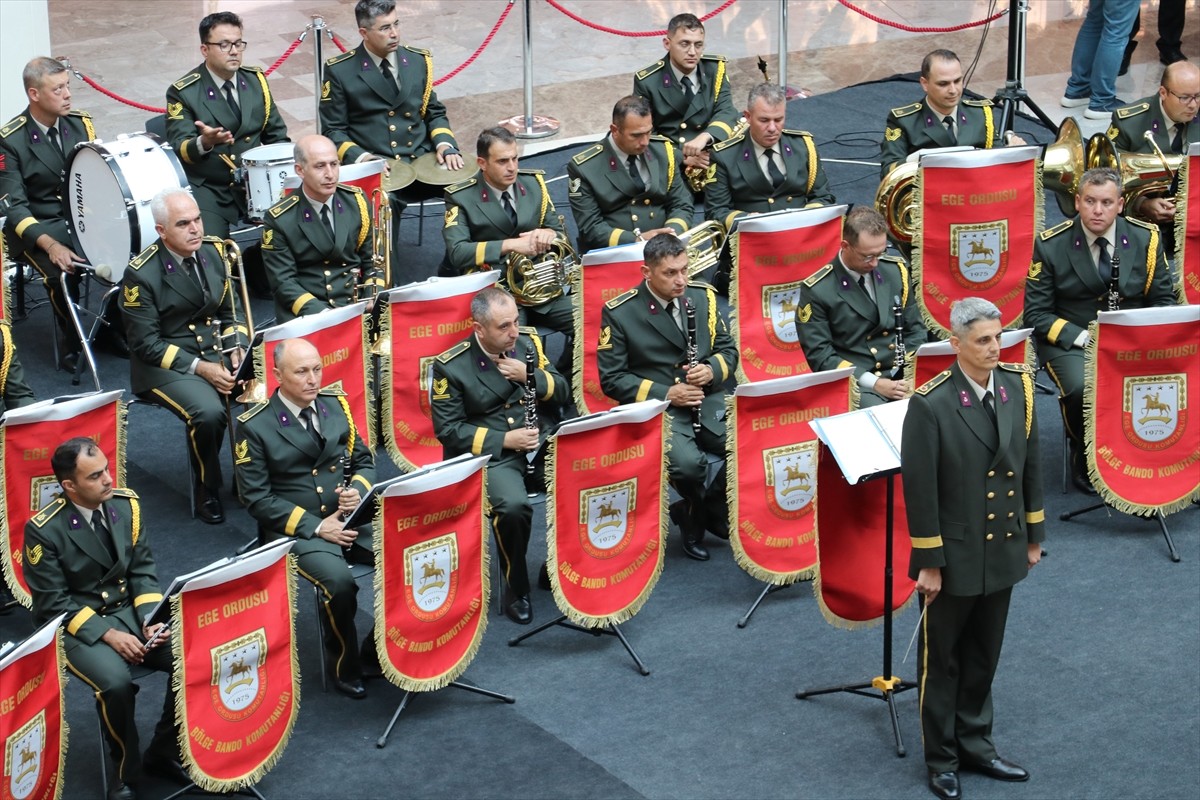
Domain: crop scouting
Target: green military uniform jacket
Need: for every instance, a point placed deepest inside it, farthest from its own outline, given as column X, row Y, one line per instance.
column 741, row 187
column 31, row 174
column 1130, row 124
column 70, row 570
column 361, row 113
column 13, row 388
column 642, row 352
column 286, row 480
column 310, row 269
column 839, row 326
column 1064, row 292
column 608, row 207
column 474, row 406
column 169, row 321
column 710, row 110
column 196, row 97
column 476, row 224
column 973, row 489
column 917, row 127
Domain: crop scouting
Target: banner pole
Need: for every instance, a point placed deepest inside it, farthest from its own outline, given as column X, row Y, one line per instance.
column 318, row 28
column 528, row 125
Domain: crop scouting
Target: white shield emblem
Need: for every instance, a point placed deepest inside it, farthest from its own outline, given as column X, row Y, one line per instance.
column 23, row 756
column 430, row 576
column 1153, row 416
column 43, row 489
column 779, row 304
column 605, row 520
column 791, row 479
column 237, row 681
column 978, row 253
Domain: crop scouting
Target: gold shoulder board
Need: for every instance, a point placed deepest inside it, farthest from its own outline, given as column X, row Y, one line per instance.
column 1132, row 111
column 933, row 382
column 416, row 50
column 1057, row 229
column 978, row 103
column 125, row 492
column 621, row 298
column 1142, row 223
column 15, row 125
column 904, row 111
column 329, row 62
column 47, row 513
column 457, row 350
column 531, row 171
column 79, row 113
column 797, row 133
column 284, row 204
column 142, row 257
column 586, row 154
column 253, row 69
column 650, row 70
column 455, row 187
column 253, row 410
column 1016, row 367
column 187, row 80
column 812, row 280
column 712, row 57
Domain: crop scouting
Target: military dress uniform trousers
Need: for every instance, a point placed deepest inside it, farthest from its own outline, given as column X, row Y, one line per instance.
column 339, row 599
column 203, row 410
column 512, row 517
column 1067, row 371
column 688, row 468
column 51, row 279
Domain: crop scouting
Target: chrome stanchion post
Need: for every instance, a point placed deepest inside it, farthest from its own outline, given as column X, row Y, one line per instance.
column 529, row 125
column 318, row 28
column 792, row 94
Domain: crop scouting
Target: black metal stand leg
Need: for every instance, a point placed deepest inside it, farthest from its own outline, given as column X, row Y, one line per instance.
column 191, row 788
column 616, row 631
column 508, row 698
column 611, row 630
column 1013, row 95
column 1066, row 515
column 768, row 589
column 1158, row 517
column 381, row 742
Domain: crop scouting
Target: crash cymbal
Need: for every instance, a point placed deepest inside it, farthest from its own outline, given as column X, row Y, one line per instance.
column 430, row 172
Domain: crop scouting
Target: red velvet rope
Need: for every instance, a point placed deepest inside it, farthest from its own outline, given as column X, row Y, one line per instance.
column 912, row 29
column 635, row 34
column 285, row 55
column 508, row 6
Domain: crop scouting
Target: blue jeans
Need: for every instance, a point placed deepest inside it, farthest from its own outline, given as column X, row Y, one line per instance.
column 1099, row 46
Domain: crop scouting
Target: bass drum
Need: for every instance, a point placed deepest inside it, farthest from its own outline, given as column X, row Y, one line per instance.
column 108, row 188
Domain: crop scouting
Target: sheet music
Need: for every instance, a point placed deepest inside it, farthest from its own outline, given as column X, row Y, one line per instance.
column 864, row 442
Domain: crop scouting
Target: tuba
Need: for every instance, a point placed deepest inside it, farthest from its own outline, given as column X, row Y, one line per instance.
column 897, row 202
column 704, row 243
column 1142, row 174
column 535, row 281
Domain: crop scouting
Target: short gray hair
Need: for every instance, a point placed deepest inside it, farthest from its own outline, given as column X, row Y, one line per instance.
column 485, row 300
column 770, row 93
column 1099, row 176
column 39, row 68
column 158, row 206
column 968, row 311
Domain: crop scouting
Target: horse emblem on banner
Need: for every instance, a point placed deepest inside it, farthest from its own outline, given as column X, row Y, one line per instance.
column 605, row 513
column 1152, row 416
column 979, row 254
column 779, row 304
column 238, row 682
column 791, row 473
column 23, row 756
column 431, row 576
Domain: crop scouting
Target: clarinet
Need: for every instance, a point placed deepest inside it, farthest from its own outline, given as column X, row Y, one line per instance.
column 1114, row 288
column 900, row 356
column 529, row 398
column 347, row 472
column 692, row 351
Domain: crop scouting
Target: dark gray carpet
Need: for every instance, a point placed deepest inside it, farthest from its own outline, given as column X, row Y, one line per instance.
column 1096, row 692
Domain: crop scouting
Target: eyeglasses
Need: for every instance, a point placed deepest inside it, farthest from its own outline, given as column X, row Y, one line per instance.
column 391, row 27
column 237, row 46
column 867, row 258
column 1185, row 98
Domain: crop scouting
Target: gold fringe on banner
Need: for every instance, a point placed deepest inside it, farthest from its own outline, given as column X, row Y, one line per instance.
column 6, row 555
column 851, row 624
column 388, row 399
column 368, row 368
column 1181, row 212
column 60, row 656
column 578, row 346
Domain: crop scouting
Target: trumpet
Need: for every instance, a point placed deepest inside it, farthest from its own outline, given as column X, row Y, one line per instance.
column 533, row 282
column 704, row 243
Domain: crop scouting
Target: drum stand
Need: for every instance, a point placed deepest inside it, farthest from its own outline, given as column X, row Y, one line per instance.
column 381, row 742
column 1158, row 517
column 97, row 321
column 1013, row 95
column 610, row 630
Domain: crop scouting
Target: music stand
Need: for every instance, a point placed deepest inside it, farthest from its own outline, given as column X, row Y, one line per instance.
column 866, row 445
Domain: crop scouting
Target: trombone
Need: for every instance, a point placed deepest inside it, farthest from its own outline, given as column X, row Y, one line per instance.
column 231, row 255
column 381, row 260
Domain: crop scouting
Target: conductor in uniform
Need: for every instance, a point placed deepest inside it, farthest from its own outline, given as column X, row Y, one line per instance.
column 87, row 555
column 317, row 242
column 215, row 114
column 478, row 408
column 1069, row 282
column 973, row 488
column 642, row 355
column 846, row 316
column 187, row 329
column 688, row 92
column 630, row 186
column 302, row 467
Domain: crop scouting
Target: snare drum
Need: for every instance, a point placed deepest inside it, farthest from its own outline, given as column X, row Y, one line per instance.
column 108, row 189
column 267, row 167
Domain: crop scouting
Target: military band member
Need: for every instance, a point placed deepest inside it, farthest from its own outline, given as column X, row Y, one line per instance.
column 33, row 153
column 642, row 354
column 180, row 314
column 845, row 317
column 14, row 391
column 478, row 408
column 501, row 211
column 630, row 186
column 216, row 113
column 973, row 486
column 1068, row 285
column 87, row 555
column 292, row 459
column 317, row 242
column 943, row 118
column 688, row 92
column 769, row 168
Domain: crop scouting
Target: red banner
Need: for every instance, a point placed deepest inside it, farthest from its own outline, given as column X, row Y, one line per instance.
column 773, row 254
column 603, row 275
column 32, row 717
column 431, row 591
column 977, row 217
column 772, row 471
column 421, row 322
column 1187, row 225
column 606, row 497
column 933, row 358
column 235, row 661
column 340, row 336
column 1141, row 379
column 28, row 437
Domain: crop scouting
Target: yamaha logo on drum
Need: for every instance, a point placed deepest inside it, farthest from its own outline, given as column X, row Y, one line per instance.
column 79, row 224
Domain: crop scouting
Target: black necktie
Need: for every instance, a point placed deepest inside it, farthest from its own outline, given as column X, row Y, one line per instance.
column 948, row 121
column 385, row 67
column 328, row 220
column 506, row 201
column 52, row 135
column 988, row 406
column 101, row 530
column 306, row 414
column 688, row 90
column 1104, row 265
column 772, row 170
column 193, row 269
column 233, row 106
column 672, row 308
column 638, row 183
column 1177, row 142
column 862, row 284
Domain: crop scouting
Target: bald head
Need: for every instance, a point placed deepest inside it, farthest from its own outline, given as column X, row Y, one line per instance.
column 317, row 165
column 298, row 371
column 1179, row 91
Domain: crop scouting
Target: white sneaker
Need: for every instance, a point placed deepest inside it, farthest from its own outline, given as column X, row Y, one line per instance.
column 1096, row 113
column 1073, row 102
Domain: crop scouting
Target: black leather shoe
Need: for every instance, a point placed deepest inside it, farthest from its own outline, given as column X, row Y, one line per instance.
column 1168, row 57
column 119, row 790
column 352, row 688
column 1000, row 769
column 687, row 532
column 68, row 361
column 517, row 607
column 1083, row 483
column 208, row 507
column 544, row 578
column 945, row 785
column 165, row 767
